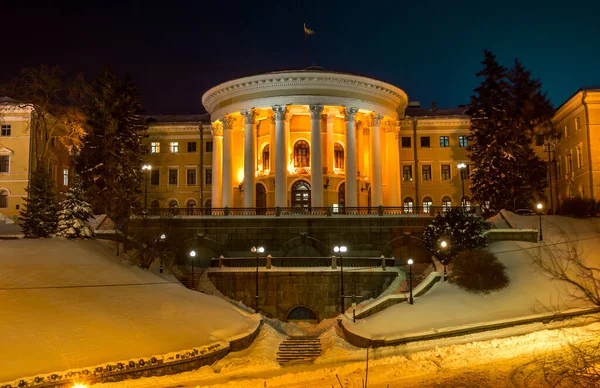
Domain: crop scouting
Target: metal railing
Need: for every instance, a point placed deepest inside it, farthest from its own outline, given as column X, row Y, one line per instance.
column 300, row 262
column 329, row 211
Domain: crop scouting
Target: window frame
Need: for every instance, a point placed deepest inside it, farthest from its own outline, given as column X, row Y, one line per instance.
column 6, row 130
column 65, row 177
column 409, row 142
column 208, row 146
column 266, row 157
column 427, row 140
column 155, row 147
column 463, row 141
column 192, row 147
column 407, row 168
column 208, row 176
column 338, row 156
column 174, row 147
column 423, row 173
column 449, row 170
column 300, row 160
column 7, row 164
column 155, row 173
column 444, row 141
column 188, row 175
column 176, row 170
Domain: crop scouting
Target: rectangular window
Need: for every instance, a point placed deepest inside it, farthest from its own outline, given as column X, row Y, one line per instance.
column 174, row 147
column 463, row 141
column 407, row 173
column 172, row 177
column 426, row 172
column 208, row 176
column 558, row 168
column 191, row 177
column 566, row 130
column 209, row 145
column 66, row 177
column 405, row 142
column 155, row 177
column 425, row 142
column 5, row 130
column 191, row 146
column 444, row 141
column 569, row 164
column 577, row 124
column 539, row 140
column 579, row 158
column 155, row 147
column 4, row 163
column 446, row 172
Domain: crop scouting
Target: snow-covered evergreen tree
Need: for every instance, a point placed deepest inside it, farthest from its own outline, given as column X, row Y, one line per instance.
column 506, row 109
column 74, row 214
column 461, row 230
column 39, row 215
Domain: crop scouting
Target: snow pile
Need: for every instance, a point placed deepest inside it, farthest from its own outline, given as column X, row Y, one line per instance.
column 71, row 304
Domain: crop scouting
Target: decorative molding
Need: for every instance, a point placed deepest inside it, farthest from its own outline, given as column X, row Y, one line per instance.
column 376, row 119
column 173, row 128
column 279, row 111
column 349, row 113
column 249, row 116
column 298, row 80
column 217, row 128
column 315, row 111
column 366, row 131
column 329, row 117
column 228, row 122
column 390, row 125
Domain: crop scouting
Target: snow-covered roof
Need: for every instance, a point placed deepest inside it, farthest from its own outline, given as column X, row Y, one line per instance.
column 172, row 118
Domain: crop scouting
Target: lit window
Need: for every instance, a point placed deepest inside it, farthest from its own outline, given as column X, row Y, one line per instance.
column 266, row 158
column 338, row 156
column 426, row 172
column 446, row 204
column 66, row 177
column 4, row 163
column 427, row 205
column 444, row 141
column 408, row 206
column 5, row 131
column 174, row 147
column 463, row 141
column 301, row 154
column 446, row 172
column 172, row 177
column 405, row 142
column 407, row 173
column 155, row 147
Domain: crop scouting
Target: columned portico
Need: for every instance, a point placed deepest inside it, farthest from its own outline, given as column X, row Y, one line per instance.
column 392, row 158
column 280, row 156
column 228, row 122
column 316, row 162
column 377, row 189
column 217, row 160
column 351, row 195
column 249, row 158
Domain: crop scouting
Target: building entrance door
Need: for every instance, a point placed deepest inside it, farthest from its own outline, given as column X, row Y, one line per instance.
column 301, row 194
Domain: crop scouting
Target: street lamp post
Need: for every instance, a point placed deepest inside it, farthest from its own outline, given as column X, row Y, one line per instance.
column 258, row 251
column 146, row 168
column 410, row 263
column 444, row 244
column 340, row 250
column 162, row 247
column 539, row 207
column 192, row 255
column 461, row 167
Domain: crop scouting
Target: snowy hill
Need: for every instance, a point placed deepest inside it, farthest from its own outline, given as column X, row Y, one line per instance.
column 69, row 304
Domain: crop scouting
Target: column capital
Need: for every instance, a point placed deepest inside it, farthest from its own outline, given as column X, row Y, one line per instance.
column 288, row 116
column 329, row 117
column 279, row 111
column 217, row 128
column 376, row 119
column 315, row 111
column 249, row 115
column 350, row 113
column 390, row 125
column 228, row 122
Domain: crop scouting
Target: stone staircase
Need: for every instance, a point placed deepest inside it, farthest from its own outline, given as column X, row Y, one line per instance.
column 298, row 350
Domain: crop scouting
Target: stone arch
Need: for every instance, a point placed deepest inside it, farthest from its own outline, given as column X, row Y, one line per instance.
column 402, row 247
column 301, row 313
column 304, row 246
column 206, row 249
column 301, row 153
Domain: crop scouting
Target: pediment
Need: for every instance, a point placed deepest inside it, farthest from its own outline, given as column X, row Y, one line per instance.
column 6, row 151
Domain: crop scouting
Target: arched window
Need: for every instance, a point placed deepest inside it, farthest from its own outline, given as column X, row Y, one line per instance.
column 446, row 204
column 301, row 194
column 154, row 204
column 338, row 156
column 301, row 154
column 191, row 204
column 173, row 203
column 265, row 158
column 466, row 203
column 208, row 207
column 3, row 199
column 408, row 207
column 427, row 205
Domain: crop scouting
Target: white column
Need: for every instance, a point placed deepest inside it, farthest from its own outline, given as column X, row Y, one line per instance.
column 316, row 162
column 376, row 188
column 351, row 196
column 217, row 167
column 227, row 161
column 249, row 158
column 280, row 156
column 392, row 161
column 329, row 162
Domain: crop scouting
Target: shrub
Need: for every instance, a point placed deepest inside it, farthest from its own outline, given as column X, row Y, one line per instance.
column 577, row 207
column 478, row 272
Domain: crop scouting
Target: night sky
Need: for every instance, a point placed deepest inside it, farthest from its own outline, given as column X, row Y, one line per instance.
column 431, row 49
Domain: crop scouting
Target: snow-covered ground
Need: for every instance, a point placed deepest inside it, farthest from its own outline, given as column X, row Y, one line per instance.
column 529, row 292
column 69, row 304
